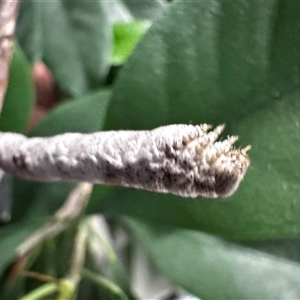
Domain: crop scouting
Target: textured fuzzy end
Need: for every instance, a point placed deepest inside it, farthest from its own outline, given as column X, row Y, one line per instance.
column 199, row 166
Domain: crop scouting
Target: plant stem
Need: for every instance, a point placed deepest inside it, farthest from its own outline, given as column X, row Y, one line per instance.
column 103, row 283
column 43, row 291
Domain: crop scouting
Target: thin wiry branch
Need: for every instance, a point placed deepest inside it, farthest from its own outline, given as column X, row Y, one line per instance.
column 8, row 15
column 184, row 160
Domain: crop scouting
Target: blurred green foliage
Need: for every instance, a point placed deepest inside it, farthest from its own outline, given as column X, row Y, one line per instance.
column 200, row 62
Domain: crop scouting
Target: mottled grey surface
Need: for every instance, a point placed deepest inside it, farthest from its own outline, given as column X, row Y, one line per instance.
column 184, row 160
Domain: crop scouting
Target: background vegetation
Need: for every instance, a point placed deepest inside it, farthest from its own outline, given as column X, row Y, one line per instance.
column 212, row 62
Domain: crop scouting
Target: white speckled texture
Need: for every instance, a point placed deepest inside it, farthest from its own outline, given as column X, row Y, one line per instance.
column 184, row 160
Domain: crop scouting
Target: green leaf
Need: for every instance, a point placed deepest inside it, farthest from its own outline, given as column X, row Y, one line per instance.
column 19, row 98
column 85, row 115
column 215, row 62
column 126, row 36
column 128, row 10
column 145, row 9
column 73, row 38
column 206, row 71
column 287, row 248
column 211, row 268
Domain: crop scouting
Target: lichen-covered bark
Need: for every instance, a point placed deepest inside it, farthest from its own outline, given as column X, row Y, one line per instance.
column 184, row 160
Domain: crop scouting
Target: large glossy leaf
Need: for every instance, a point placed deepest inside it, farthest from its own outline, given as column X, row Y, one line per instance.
column 214, row 62
column 73, row 38
column 127, row 10
column 211, row 268
column 145, row 9
column 204, row 61
column 19, row 97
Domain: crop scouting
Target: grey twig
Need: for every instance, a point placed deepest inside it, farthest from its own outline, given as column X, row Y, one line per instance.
column 184, row 160
column 8, row 16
